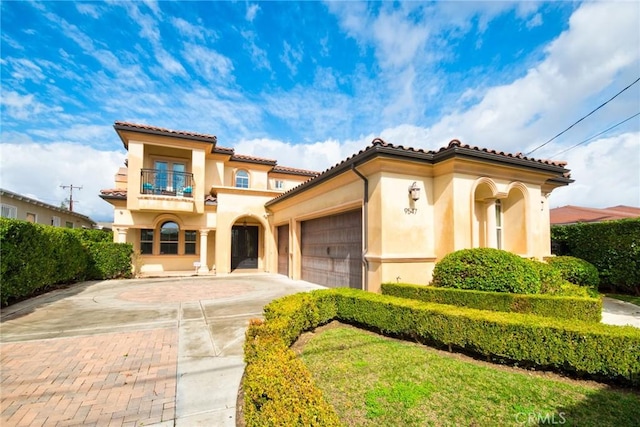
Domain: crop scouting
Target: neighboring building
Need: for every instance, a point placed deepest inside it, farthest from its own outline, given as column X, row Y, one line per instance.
column 386, row 213
column 20, row 207
column 573, row 214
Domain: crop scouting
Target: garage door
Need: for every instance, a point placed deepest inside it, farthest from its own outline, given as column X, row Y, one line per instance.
column 283, row 250
column 332, row 250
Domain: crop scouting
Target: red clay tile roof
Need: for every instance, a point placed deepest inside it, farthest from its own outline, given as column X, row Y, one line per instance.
column 455, row 148
column 116, row 193
column 294, row 171
column 253, row 159
column 573, row 214
column 162, row 131
column 456, row 143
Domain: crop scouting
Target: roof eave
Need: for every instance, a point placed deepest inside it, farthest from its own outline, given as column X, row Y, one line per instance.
column 120, row 127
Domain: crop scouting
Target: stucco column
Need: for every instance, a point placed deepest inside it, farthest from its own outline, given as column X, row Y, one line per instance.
column 122, row 234
column 203, row 252
column 490, row 233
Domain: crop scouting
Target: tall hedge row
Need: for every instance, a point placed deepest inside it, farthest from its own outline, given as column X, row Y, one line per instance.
column 613, row 247
column 35, row 257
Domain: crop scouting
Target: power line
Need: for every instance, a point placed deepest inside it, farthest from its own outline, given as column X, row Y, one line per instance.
column 593, row 111
column 596, row 135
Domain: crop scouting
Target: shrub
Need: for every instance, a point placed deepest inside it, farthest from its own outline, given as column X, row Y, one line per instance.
column 278, row 388
column 36, row 257
column 578, row 308
column 575, row 270
column 613, row 247
column 486, row 269
column 26, row 264
column 551, row 281
column 109, row 260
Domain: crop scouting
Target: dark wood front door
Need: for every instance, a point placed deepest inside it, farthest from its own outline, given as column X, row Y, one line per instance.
column 244, row 247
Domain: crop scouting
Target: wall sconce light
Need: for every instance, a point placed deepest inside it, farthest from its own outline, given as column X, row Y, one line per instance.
column 414, row 191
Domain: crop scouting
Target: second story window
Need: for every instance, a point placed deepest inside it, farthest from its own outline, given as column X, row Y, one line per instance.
column 279, row 184
column 242, row 179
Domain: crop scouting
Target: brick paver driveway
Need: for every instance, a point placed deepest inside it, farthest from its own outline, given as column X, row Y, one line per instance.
column 164, row 351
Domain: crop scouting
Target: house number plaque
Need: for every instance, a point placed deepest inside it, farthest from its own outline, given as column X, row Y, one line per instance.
column 410, row 211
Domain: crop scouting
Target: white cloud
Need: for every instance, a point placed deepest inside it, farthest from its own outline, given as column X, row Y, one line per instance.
column 191, row 31
column 291, row 57
column 580, row 64
column 168, row 62
column 606, row 173
column 252, row 10
column 21, row 107
column 39, row 170
column 88, row 9
column 208, row 62
column 25, row 69
column 258, row 55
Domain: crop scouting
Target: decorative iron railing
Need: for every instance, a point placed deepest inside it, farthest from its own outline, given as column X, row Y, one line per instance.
column 166, row 183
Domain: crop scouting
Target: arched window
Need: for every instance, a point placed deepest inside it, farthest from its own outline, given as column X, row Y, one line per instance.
column 242, row 179
column 169, row 233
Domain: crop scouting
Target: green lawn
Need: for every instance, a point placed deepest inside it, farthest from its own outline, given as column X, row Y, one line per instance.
column 376, row 381
column 627, row 298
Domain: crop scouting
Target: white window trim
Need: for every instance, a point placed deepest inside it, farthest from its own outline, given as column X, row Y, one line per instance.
column 499, row 224
column 55, row 221
column 235, row 178
column 12, row 211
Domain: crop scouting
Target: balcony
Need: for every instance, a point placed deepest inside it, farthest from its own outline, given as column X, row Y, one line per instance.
column 166, row 183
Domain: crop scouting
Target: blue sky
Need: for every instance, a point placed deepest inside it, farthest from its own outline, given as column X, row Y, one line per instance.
column 309, row 83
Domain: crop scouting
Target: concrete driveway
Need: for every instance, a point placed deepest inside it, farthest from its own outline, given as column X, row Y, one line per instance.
column 164, row 351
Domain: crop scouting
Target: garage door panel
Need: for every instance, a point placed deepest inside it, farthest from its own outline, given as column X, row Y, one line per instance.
column 332, row 250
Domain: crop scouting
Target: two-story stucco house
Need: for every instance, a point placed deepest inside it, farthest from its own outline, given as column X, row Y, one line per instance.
column 386, row 213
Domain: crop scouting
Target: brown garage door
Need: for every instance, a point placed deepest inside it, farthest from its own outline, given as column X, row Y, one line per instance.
column 283, row 250
column 332, row 250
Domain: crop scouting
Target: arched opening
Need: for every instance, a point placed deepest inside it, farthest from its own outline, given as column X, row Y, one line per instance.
column 245, row 244
column 483, row 227
column 242, row 179
column 514, row 218
column 169, row 237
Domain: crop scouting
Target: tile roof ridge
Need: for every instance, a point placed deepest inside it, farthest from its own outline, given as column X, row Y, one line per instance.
column 277, row 168
column 248, row 158
column 457, row 143
column 163, row 130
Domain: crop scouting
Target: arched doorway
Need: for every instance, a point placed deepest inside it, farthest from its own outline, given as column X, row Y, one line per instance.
column 245, row 244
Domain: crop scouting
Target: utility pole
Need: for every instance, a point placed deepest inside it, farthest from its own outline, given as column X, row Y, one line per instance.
column 71, row 187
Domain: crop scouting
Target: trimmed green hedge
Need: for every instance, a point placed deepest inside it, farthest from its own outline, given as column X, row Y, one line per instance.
column 486, row 269
column 613, row 247
column 569, row 345
column 575, row 270
column 585, row 309
column 37, row 257
column 278, row 389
